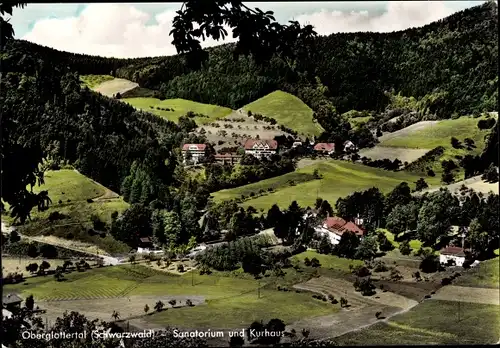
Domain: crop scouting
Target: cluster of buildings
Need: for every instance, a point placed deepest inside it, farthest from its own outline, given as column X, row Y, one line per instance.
column 196, row 153
column 334, row 227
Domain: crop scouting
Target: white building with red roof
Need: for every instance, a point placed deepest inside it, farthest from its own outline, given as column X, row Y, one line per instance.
column 260, row 148
column 452, row 254
column 325, row 148
column 193, row 152
column 334, row 227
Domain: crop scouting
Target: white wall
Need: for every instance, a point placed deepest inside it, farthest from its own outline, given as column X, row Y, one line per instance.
column 459, row 260
column 334, row 238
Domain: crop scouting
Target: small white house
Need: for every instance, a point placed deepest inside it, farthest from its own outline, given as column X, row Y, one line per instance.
column 452, row 254
column 349, row 146
column 296, row 144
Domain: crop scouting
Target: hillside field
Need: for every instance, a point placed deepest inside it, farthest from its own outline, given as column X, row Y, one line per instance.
column 180, row 108
column 92, row 81
column 224, row 301
column 69, row 191
column 288, row 110
column 339, row 179
column 431, row 134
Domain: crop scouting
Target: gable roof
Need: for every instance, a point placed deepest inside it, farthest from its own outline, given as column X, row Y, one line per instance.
column 11, row 298
column 200, row 147
column 452, row 250
column 338, row 225
column 145, row 240
column 324, row 147
column 250, row 143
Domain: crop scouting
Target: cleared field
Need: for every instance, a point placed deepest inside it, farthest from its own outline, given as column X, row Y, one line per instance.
column 358, row 121
column 92, row 81
column 69, row 191
column 475, row 183
column 485, row 275
column 287, row 110
column 230, row 301
column 270, row 184
column 433, row 322
column 17, row 264
column 114, row 86
column 468, row 294
column 430, row 134
column 404, row 155
column 339, row 179
column 414, row 243
column 179, row 107
column 328, row 261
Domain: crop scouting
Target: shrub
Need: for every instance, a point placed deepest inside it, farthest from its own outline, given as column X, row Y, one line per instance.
column 307, row 262
column 315, row 262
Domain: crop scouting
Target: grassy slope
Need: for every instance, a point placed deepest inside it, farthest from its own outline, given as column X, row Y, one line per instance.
column 67, row 184
column 231, row 301
column 340, row 178
column 181, row 107
column 328, row 261
column 484, row 275
column 433, row 322
column 414, row 244
column 288, row 110
column 92, row 81
column 440, row 135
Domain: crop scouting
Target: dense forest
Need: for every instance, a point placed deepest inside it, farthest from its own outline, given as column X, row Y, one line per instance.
column 456, row 56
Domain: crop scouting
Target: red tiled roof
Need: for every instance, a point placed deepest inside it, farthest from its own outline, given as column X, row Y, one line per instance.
column 227, row 155
column 451, row 250
column 324, row 147
column 201, row 147
column 249, row 144
column 339, row 226
column 352, row 227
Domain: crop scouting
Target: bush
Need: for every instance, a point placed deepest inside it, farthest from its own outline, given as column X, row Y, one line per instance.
column 380, row 266
column 315, row 262
column 445, row 281
column 307, row 262
column 180, row 268
column 361, row 271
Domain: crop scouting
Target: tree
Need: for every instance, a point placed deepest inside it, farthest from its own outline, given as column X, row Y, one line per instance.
column 315, row 263
column 115, row 315
column 400, row 195
column 491, row 174
column 32, row 267
column 477, row 238
column 44, row 266
column 447, row 177
column 325, row 246
column 429, row 264
column 172, row 302
column 421, row 184
column 404, row 247
column 146, row 309
column 403, row 218
column 14, row 237
column 273, row 216
column 258, row 33
column 347, row 245
column 325, row 209
column 456, row 143
column 343, row 302
column 367, row 249
column 32, row 250
column 383, row 242
column 277, row 326
column 29, row 302
column 159, row 306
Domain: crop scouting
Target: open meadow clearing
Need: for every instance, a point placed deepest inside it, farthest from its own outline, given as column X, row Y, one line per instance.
column 433, row 322
column 92, row 81
column 287, row 110
column 486, row 275
column 427, row 135
column 403, row 154
column 70, row 192
column 233, row 301
column 179, row 107
column 114, row 86
column 339, row 179
column 18, row 264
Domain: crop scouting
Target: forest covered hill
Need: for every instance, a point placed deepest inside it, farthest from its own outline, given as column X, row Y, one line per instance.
column 456, row 57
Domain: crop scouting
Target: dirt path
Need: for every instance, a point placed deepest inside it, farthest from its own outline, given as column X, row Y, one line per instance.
column 468, row 294
column 359, row 315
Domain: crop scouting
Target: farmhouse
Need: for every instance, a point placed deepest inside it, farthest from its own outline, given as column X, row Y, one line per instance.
column 334, row 227
column 452, row 254
column 260, row 148
column 324, row 148
column 147, row 246
column 349, row 146
column 193, row 152
column 11, row 302
column 227, row 158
